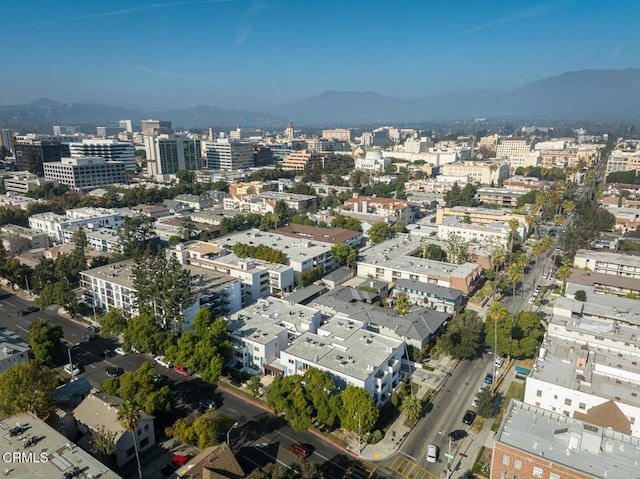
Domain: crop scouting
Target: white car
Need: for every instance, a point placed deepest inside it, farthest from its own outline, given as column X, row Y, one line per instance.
column 498, row 362
column 162, row 361
column 71, row 369
column 545, row 275
column 532, row 299
column 474, row 403
column 120, row 351
column 432, row 453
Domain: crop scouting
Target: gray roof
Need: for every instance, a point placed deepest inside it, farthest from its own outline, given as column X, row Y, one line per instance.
column 339, row 274
column 442, row 291
column 305, row 293
column 593, row 450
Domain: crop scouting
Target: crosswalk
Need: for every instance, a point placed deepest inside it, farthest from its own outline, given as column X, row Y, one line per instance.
column 404, row 467
column 359, row 470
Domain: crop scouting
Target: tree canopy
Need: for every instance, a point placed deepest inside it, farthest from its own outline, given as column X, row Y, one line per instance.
column 359, row 411
column 518, row 335
column 463, row 336
column 344, row 254
column 379, row 232
column 202, row 432
column 44, row 341
column 27, row 387
column 265, row 253
column 457, row 196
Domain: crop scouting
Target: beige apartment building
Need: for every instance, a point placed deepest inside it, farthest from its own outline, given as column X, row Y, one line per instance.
column 476, row 171
column 307, row 160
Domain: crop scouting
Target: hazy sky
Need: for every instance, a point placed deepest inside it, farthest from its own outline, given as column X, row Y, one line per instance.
column 255, row 54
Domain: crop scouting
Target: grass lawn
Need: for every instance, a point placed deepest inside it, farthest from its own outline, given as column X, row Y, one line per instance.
column 487, row 290
column 515, row 391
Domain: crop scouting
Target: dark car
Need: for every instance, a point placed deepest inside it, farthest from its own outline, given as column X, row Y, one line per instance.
column 457, row 435
column 115, row 372
column 32, row 309
column 488, row 379
column 299, row 449
column 207, row 404
column 469, row 417
column 22, row 312
column 89, row 337
column 106, row 354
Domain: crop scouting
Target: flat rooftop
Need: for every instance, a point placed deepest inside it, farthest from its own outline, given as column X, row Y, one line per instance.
column 296, row 249
column 263, row 320
column 593, row 450
column 396, row 254
column 11, row 344
column 63, row 455
column 600, row 306
column 609, row 257
column 343, row 346
column 589, row 278
column 234, row 262
column 576, row 366
column 315, row 233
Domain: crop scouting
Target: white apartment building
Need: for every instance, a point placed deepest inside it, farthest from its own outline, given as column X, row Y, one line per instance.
column 480, row 216
column 23, row 182
column 588, row 362
column 495, row 233
column 168, row 153
column 481, row 172
column 105, row 240
column 225, row 154
column 373, row 161
column 265, row 202
column 418, row 145
column 350, row 355
column 616, row 264
column 261, row 331
column 259, row 278
column 623, row 160
column 302, row 255
column 111, row 286
column 385, row 207
column 13, row 350
column 524, row 160
column 54, row 224
column 109, row 149
column 512, row 146
column 82, row 174
column 18, row 238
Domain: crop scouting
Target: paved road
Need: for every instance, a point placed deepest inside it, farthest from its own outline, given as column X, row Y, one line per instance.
column 444, row 416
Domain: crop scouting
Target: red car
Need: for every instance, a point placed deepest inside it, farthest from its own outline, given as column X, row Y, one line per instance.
column 299, row 449
column 180, row 370
column 179, row 461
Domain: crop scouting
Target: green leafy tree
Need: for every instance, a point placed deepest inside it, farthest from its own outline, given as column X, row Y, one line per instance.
column 359, row 412
column 402, row 305
column 434, row 252
column 486, row 405
column 129, row 417
column 103, row 442
column 457, row 248
column 497, row 316
column 27, row 387
column 308, row 277
column 379, row 232
column 399, row 227
column 265, row 253
column 581, row 295
column 526, row 335
column 606, row 220
column 344, row 254
column 44, row 341
column 112, row 323
column 58, row 293
column 201, row 432
column 186, row 176
column 277, row 395
column 134, row 235
column 254, row 386
column 143, row 334
column 463, row 336
column 320, row 391
column 346, row 222
column 44, row 273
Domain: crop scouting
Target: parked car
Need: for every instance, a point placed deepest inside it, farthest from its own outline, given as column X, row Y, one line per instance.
column 207, row 404
column 469, row 417
column 120, row 352
column 181, row 371
column 457, row 434
column 498, row 362
column 488, row 379
column 432, row 453
column 545, row 275
column 106, row 354
column 474, row 403
column 179, row 460
column 532, row 299
column 162, row 361
column 299, row 449
column 71, row 369
column 114, row 372
column 89, row 337
column 32, row 309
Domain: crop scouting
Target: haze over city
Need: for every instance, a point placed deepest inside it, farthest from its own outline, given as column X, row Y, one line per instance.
column 257, row 54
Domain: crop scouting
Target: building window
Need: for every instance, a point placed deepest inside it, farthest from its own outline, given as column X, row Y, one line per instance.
column 144, row 443
column 553, row 475
column 582, row 406
column 503, row 475
column 539, row 393
column 131, row 451
column 517, row 464
column 505, row 460
column 567, row 402
column 537, row 471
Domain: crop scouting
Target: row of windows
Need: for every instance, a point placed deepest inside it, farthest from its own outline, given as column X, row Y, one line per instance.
column 517, row 465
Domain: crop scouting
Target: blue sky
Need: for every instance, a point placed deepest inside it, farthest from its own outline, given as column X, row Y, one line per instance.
column 254, row 54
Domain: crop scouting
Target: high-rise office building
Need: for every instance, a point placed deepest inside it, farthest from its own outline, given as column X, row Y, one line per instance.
column 64, row 130
column 106, row 131
column 8, row 140
column 225, row 154
column 83, row 174
column 166, row 154
column 109, row 149
column 31, row 153
column 156, row 127
column 126, row 125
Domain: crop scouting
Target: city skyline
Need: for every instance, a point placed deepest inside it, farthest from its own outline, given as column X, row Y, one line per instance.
column 259, row 54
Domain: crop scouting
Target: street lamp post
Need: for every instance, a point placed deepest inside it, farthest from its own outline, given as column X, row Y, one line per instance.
column 235, row 424
column 449, row 456
column 71, row 361
column 359, row 433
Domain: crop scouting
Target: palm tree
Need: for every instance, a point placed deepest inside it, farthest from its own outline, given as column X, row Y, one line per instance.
column 129, row 417
column 496, row 313
column 497, row 258
column 564, row 272
column 513, row 229
column 514, row 271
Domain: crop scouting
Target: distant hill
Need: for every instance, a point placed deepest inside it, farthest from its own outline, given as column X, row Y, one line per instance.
column 588, row 95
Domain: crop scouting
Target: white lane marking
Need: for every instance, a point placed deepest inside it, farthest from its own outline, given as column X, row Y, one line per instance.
column 232, row 410
column 20, row 327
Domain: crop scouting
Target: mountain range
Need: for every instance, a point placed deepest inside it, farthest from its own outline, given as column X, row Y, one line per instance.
column 588, row 95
